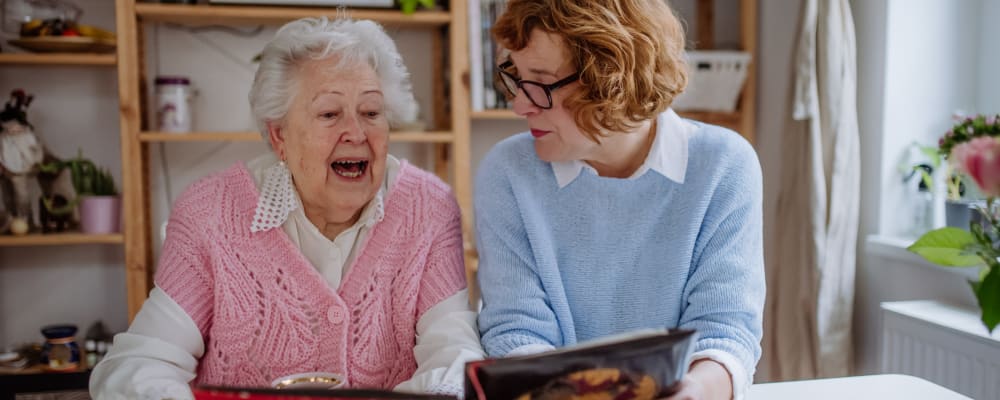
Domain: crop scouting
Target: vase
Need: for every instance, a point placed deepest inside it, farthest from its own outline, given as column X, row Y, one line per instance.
column 962, row 213
column 100, row 214
column 958, row 213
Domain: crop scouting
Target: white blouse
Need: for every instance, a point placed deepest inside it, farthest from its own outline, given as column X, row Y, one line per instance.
column 157, row 357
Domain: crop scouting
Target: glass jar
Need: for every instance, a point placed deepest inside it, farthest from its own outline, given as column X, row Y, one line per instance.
column 173, row 104
column 60, row 351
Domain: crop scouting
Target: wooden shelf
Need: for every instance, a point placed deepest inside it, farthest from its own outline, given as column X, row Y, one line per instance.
column 55, row 239
column 257, row 15
column 727, row 119
column 421, row 137
column 495, row 114
column 58, row 59
column 35, row 379
column 200, row 137
column 396, row 137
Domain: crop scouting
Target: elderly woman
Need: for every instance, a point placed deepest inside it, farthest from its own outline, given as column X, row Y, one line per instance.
column 613, row 213
column 328, row 260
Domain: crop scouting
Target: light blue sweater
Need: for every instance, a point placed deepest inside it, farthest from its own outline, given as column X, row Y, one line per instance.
column 602, row 256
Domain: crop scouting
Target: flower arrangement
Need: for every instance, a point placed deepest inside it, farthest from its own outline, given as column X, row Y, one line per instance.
column 972, row 148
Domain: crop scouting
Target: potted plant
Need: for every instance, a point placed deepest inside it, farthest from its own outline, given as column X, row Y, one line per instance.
column 96, row 199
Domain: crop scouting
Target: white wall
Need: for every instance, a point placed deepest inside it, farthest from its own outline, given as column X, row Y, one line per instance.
column 870, row 31
column 931, row 72
column 989, row 61
column 777, row 33
column 917, row 64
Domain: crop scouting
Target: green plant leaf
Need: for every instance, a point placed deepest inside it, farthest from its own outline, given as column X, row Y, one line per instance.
column 50, row 168
column 947, row 246
column 988, row 293
column 928, row 180
column 932, row 154
column 408, row 6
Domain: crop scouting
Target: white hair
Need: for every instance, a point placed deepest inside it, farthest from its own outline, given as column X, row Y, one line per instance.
column 349, row 41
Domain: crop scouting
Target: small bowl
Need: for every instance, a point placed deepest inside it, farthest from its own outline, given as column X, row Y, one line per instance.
column 310, row 380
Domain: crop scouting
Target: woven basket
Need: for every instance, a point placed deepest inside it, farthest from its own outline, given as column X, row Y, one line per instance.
column 715, row 81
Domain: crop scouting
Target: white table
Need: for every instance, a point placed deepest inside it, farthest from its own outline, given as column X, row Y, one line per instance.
column 870, row 387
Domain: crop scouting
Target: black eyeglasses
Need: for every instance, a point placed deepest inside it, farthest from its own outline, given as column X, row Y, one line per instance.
column 539, row 93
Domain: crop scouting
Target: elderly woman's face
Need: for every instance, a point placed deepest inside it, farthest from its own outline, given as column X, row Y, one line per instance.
column 335, row 137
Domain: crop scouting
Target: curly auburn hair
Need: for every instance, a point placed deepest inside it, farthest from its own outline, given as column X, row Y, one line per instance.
column 629, row 53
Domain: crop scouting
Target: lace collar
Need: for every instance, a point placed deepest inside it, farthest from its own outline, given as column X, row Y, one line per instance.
column 278, row 197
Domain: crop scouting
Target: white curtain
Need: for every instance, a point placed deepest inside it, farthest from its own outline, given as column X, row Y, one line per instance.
column 811, row 278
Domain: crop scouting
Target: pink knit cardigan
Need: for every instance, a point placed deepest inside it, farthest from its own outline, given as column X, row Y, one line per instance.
column 265, row 312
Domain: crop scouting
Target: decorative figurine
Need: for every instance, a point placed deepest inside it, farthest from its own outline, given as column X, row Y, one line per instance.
column 20, row 154
column 22, row 176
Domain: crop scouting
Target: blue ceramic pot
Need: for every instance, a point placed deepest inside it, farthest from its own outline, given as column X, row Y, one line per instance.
column 60, row 351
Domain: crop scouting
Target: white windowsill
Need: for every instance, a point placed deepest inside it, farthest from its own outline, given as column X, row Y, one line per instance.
column 895, row 248
column 959, row 319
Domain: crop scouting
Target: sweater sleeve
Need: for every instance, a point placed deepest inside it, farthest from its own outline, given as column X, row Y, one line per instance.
column 515, row 310
column 183, row 272
column 725, row 291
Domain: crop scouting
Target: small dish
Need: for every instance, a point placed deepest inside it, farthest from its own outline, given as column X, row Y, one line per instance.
column 309, row 380
column 64, row 44
column 9, row 357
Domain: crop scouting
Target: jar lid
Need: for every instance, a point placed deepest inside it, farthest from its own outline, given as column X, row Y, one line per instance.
column 172, row 80
column 58, row 331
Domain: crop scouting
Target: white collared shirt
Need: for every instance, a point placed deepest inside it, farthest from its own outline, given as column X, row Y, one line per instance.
column 158, row 355
column 668, row 156
column 331, row 258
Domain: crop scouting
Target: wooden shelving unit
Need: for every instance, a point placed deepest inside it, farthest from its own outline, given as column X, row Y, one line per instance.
column 395, row 137
column 270, row 15
column 744, row 119
column 450, row 134
column 501, row 114
column 56, row 239
column 199, row 137
column 58, row 59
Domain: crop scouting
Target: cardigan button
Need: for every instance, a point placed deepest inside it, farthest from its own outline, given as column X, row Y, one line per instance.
column 335, row 315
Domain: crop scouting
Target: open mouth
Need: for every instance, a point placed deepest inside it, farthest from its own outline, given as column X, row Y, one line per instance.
column 350, row 169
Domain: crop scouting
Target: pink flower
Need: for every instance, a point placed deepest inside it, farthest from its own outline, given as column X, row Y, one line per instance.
column 980, row 159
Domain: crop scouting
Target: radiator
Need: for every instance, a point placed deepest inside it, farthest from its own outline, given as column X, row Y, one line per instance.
column 944, row 344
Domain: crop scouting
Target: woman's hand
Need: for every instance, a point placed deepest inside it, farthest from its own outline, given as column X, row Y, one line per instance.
column 706, row 380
